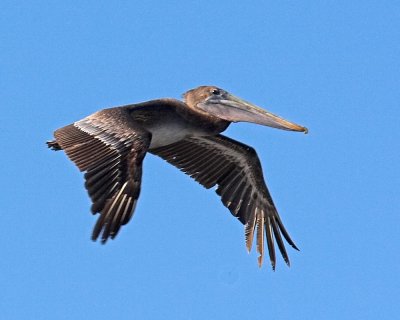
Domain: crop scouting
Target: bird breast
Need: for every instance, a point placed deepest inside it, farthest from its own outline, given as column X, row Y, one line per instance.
column 166, row 133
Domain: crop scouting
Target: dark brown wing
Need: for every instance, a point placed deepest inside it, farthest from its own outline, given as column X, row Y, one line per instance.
column 110, row 149
column 236, row 169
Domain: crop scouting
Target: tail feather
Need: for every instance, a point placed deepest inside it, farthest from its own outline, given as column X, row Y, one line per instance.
column 53, row 145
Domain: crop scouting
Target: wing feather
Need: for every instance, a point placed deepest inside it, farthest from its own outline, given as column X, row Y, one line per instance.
column 109, row 147
column 250, row 227
column 236, row 171
column 260, row 236
column 270, row 241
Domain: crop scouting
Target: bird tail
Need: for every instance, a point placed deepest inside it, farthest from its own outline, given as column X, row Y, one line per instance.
column 53, row 145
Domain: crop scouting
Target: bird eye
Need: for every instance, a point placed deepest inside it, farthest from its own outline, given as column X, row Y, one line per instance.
column 216, row 91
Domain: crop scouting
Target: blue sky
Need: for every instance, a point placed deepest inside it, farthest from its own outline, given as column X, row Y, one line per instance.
column 332, row 66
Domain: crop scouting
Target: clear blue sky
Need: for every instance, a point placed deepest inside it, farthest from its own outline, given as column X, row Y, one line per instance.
column 332, row 66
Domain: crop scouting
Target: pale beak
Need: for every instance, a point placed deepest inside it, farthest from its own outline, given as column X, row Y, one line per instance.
column 234, row 109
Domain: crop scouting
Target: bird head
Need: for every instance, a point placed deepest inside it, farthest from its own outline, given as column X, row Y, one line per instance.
column 221, row 104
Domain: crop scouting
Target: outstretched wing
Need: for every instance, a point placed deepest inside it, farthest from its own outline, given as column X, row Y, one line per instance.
column 236, row 169
column 109, row 147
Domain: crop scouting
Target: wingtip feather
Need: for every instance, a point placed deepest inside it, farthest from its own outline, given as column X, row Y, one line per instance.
column 260, row 236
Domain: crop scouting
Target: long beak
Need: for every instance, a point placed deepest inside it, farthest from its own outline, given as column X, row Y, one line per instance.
column 234, row 109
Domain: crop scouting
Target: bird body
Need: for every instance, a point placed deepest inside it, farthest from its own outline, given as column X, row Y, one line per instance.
column 169, row 120
column 110, row 145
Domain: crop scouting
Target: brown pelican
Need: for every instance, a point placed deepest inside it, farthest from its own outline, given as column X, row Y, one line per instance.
column 110, row 145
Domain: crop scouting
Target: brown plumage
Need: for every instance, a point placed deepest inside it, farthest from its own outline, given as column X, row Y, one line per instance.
column 110, row 145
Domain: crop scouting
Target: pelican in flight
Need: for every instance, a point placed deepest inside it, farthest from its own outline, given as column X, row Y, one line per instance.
column 110, row 145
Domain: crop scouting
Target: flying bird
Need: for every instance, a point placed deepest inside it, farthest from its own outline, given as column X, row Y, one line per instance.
column 110, row 145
